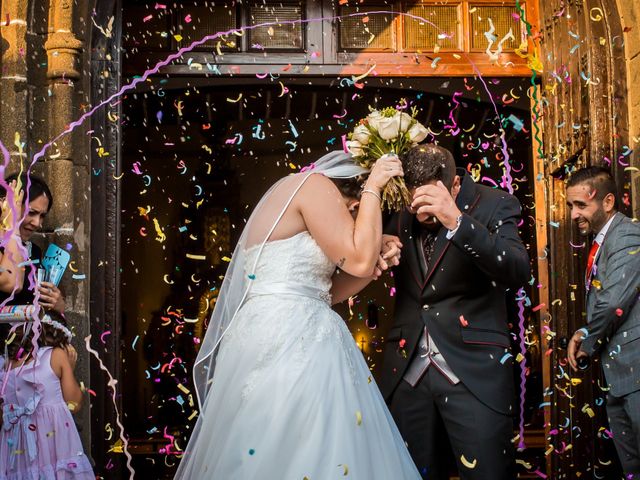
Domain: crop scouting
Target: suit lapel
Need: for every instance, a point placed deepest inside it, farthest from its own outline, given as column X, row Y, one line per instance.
column 617, row 220
column 466, row 201
column 406, row 223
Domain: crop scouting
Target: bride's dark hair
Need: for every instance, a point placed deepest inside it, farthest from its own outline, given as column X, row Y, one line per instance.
column 350, row 187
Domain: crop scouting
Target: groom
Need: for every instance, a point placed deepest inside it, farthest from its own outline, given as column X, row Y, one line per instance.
column 447, row 368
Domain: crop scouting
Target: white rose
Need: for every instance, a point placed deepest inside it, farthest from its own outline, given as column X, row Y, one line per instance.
column 361, row 134
column 417, row 133
column 389, row 127
column 405, row 121
column 355, row 148
column 373, row 119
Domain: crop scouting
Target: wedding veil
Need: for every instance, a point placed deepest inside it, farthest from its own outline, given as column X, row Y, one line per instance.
column 238, row 278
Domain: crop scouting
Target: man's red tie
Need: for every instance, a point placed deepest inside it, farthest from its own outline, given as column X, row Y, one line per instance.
column 592, row 256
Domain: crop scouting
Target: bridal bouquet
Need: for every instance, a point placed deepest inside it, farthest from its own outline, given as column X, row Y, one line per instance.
column 387, row 131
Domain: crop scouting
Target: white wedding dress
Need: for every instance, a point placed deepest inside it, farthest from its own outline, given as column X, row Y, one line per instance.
column 292, row 397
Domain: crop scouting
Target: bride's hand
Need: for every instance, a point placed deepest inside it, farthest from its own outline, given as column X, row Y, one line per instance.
column 385, row 168
column 389, row 256
column 391, row 250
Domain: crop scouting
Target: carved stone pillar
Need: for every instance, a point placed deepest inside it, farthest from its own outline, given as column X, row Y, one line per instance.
column 66, row 168
column 13, row 74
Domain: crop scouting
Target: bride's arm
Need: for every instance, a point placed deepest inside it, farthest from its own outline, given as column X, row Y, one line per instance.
column 353, row 246
column 344, row 286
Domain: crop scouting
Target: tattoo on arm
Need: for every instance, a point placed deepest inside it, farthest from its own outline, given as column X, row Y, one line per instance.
column 341, row 262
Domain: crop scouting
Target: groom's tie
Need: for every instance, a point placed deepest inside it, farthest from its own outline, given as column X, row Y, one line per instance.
column 428, row 246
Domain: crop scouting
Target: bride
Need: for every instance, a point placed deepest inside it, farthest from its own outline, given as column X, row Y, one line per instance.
column 284, row 392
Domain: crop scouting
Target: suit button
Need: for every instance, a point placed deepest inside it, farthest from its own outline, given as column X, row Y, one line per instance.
column 426, row 307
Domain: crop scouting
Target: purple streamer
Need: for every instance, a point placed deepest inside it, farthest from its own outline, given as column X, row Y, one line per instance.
column 523, row 365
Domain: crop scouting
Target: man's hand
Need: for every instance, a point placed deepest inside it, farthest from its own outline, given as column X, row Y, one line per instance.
column 435, row 201
column 573, row 350
column 51, row 297
column 390, row 254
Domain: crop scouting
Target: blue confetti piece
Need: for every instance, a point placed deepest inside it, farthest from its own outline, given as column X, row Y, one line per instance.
column 28, row 262
column 505, row 357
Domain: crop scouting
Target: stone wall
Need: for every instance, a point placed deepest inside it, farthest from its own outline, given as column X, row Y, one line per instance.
column 42, row 89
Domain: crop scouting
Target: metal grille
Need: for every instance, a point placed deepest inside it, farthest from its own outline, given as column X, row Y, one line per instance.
column 208, row 21
column 503, row 19
column 374, row 32
column 445, row 31
column 285, row 36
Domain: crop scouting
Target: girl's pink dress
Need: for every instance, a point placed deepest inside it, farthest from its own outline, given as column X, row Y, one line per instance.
column 38, row 438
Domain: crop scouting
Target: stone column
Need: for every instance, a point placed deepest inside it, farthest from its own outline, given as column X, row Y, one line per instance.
column 66, row 168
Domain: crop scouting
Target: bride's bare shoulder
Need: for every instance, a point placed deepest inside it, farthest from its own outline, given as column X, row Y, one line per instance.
column 318, row 184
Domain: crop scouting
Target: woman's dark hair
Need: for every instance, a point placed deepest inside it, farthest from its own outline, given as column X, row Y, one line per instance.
column 22, row 343
column 350, row 187
column 37, row 187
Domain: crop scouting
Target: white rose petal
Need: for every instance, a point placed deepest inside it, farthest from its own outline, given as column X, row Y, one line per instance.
column 355, row 148
column 389, row 128
column 373, row 119
column 361, row 134
column 404, row 120
column 417, row 133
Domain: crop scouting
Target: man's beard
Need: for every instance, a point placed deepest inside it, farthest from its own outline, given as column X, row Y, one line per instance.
column 596, row 223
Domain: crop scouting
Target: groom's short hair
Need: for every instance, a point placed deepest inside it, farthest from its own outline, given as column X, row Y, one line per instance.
column 426, row 163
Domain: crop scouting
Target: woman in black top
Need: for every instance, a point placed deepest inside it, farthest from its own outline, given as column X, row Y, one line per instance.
column 13, row 270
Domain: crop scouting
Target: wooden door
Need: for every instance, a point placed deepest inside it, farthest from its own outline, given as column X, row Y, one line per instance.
column 584, row 122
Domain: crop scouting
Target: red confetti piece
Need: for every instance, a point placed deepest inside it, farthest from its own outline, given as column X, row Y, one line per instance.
column 538, row 307
column 463, row 322
column 619, row 312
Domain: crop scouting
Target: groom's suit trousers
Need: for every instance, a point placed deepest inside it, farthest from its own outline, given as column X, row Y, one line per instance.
column 434, row 409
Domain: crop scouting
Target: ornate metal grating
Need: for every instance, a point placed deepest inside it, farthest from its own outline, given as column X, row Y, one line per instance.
column 445, row 31
column 503, row 18
column 285, row 36
column 374, row 32
column 208, row 21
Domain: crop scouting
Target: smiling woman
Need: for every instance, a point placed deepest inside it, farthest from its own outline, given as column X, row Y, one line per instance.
column 20, row 255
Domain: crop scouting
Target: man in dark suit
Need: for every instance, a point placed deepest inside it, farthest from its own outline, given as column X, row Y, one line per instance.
column 447, row 368
column 612, row 280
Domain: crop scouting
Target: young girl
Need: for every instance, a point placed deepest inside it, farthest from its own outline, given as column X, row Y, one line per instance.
column 38, row 391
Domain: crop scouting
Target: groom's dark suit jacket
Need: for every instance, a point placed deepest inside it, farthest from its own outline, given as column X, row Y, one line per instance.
column 461, row 299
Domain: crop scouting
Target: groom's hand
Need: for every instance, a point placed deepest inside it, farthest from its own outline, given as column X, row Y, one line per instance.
column 390, row 254
column 435, row 200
